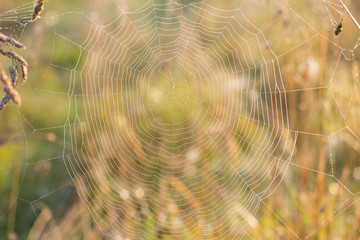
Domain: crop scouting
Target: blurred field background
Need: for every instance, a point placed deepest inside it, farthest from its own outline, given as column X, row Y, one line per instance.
column 316, row 196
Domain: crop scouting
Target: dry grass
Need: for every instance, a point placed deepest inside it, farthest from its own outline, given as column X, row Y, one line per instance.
column 37, row 9
column 6, row 39
column 10, row 85
column 113, row 180
column 9, row 89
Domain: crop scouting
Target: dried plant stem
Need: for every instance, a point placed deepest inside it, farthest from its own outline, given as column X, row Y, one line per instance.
column 356, row 233
column 13, row 75
column 37, row 9
column 6, row 39
column 24, row 73
column 9, row 89
column 42, row 220
column 350, row 15
column 4, row 101
column 20, row 59
column 14, row 55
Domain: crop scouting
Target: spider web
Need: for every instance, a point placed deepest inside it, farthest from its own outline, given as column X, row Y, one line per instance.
column 191, row 119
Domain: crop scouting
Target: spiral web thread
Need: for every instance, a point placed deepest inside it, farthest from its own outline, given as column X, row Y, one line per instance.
column 179, row 112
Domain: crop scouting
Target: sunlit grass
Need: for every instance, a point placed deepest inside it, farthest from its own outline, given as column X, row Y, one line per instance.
column 136, row 162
